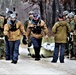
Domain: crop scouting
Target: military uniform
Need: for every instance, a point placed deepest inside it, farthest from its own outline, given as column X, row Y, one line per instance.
column 71, row 21
column 35, row 30
column 26, row 23
column 28, row 20
column 8, row 13
column 74, row 45
column 74, row 37
column 75, row 19
column 65, row 13
column 13, row 31
column 74, row 42
column 1, row 37
column 70, row 46
column 60, row 30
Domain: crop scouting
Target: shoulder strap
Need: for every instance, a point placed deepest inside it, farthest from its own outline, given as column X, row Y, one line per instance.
column 60, row 25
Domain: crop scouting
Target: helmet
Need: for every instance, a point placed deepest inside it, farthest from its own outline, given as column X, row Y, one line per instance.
column 13, row 16
column 70, row 15
column 65, row 12
column 31, row 12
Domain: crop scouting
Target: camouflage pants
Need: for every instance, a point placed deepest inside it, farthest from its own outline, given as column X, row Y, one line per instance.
column 74, row 48
column 2, row 46
column 74, row 45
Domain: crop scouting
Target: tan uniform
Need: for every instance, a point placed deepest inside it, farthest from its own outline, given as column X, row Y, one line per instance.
column 42, row 25
column 14, row 35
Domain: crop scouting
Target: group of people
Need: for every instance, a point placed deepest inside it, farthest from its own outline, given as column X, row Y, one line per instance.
column 33, row 30
column 70, row 18
column 13, row 30
column 65, row 36
column 36, row 29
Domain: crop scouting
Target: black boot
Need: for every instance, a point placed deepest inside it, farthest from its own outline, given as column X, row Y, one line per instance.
column 37, row 53
column 15, row 62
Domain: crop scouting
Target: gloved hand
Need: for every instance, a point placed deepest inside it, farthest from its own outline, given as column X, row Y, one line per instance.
column 24, row 36
column 6, row 37
column 24, row 40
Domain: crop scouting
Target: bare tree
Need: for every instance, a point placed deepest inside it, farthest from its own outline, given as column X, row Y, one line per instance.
column 48, row 9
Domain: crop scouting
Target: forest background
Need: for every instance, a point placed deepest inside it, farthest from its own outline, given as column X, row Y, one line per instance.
column 48, row 9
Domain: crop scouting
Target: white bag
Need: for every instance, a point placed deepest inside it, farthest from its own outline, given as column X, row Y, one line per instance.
column 48, row 46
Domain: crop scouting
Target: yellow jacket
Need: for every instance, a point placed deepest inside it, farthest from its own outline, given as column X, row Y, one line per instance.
column 43, row 30
column 14, row 35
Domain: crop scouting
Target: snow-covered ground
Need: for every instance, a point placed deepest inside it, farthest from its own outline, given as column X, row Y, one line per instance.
column 28, row 66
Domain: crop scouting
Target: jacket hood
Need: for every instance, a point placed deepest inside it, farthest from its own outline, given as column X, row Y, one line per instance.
column 36, row 22
column 62, row 23
column 9, row 22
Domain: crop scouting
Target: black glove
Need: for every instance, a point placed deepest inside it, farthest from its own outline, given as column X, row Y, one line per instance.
column 6, row 37
column 24, row 36
column 24, row 40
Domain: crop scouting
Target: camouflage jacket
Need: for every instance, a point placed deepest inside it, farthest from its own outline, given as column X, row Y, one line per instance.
column 1, row 25
column 71, row 23
column 26, row 23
